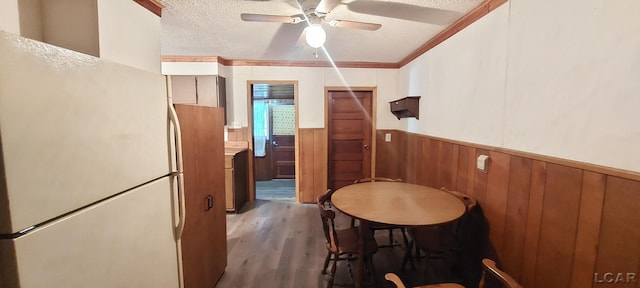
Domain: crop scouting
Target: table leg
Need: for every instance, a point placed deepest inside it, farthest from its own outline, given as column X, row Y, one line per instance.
column 363, row 229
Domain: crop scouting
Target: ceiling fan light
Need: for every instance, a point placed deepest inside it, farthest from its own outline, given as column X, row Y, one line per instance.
column 315, row 36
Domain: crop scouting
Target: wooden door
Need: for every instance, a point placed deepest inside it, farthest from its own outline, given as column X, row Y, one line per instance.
column 284, row 156
column 349, row 136
column 204, row 238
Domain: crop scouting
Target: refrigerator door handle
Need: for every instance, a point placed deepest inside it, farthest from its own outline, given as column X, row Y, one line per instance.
column 173, row 117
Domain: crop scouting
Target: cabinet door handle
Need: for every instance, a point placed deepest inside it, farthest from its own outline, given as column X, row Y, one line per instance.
column 209, row 203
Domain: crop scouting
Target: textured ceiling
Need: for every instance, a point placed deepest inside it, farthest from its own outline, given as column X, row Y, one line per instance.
column 214, row 28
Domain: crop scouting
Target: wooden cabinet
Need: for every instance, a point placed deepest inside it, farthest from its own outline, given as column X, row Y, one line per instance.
column 236, row 178
column 203, row 90
column 204, row 241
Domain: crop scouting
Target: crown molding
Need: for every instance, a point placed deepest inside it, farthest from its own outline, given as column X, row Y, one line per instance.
column 456, row 27
column 227, row 62
column 152, row 5
column 339, row 64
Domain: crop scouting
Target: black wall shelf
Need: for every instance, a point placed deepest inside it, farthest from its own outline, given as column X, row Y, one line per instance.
column 406, row 107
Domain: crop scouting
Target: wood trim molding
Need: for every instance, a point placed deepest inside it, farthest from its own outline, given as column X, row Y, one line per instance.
column 178, row 58
column 456, row 27
column 152, row 5
column 632, row 175
column 344, row 64
column 227, row 62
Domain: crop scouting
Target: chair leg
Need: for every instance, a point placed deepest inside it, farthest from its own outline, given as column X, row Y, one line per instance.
column 326, row 263
column 418, row 254
column 371, row 269
column 408, row 257
column 427, row 255
column 332, row 274
column 404, row 236
column 390, row 237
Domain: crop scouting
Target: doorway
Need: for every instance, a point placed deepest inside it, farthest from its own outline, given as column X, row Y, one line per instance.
column 351, row 130
column 274, row 126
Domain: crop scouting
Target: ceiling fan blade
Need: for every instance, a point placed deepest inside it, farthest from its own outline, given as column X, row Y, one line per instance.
column 354, row 25
column 270, row 18
column 404, row 11
column 326, row 6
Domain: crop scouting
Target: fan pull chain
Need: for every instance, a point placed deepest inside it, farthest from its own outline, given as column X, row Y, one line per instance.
column 315, row 52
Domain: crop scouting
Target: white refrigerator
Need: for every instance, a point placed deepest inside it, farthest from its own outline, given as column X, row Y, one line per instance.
column 89, row 193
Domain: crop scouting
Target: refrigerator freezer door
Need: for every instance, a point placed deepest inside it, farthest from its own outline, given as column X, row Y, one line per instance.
column 74, row 129
column 125, row 241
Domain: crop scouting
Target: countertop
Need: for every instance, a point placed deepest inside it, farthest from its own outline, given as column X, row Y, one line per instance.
column 228, row 151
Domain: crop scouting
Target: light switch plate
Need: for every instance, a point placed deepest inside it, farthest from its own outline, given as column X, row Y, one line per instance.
column 387, row 137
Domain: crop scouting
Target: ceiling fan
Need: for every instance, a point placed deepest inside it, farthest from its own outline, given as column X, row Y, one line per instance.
column 314, row 16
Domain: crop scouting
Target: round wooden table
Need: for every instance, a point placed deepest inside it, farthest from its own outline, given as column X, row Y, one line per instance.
column 395, row 203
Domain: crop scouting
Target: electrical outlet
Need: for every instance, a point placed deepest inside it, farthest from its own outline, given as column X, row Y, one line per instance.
column 482, row 163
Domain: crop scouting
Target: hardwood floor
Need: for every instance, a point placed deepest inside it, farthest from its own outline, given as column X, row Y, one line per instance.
column 279, row 244
column 276, row 190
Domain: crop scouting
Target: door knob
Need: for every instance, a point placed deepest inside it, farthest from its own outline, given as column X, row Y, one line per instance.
column 274, row 143
column 366, row 147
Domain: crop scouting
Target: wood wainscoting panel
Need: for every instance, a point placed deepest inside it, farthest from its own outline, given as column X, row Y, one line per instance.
column 619, row 245
column 466, row 169
column 553, row 222
column 495, row 200
column 313, row 163
column 559, row 225
column 424, row 167
column 534, row 221
column 238, row 134
column 516, row 217
column 591, row 202
column 431, row 152
column 320, row 162
column 382, row 149
column 388, row 154
column 480, row 179
column 447, row 168
column 412, row 162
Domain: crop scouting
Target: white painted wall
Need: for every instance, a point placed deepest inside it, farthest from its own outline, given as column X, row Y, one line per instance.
column 461, row 84
column 31, row 19
column 311, row 85
column 9, row 16
column 547, row 77
column 21, row 18
column 129, row 34
column 118, row 30
column 71, row 24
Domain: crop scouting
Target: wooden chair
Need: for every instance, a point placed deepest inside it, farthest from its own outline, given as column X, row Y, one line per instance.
column 393, row 278
column 380, row 226
column 342, row 244
column 441, row 240
column 491, row 270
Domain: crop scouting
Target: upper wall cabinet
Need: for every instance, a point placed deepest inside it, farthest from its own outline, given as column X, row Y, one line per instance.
column 203, row 90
